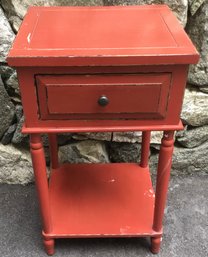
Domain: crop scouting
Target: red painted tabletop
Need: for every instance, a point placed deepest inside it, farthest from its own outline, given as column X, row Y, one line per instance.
column 101, row 36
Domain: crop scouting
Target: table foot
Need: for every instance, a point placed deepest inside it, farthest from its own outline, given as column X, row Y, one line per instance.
column 49, row 246
column 155, row 244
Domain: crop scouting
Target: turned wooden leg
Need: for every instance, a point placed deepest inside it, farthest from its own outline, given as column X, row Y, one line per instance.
column 145, row 148
column 49, row 245
column 53, row 147
column 39, row 166
column 155, row 244
column 163, row 175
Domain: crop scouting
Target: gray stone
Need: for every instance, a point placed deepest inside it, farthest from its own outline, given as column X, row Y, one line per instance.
column 136, row 136
column 6, row 110
column 6, row 36
column 195, row 107
column 204, row 89
column 156, row 137
column 197, row 28
column 127, row 137
column 103, row 136
column 44, row 138
column 179, row 7
column 19, row 7
column 9, row 76
column 186, row 160
column 192, row 137
column 88, row 151
column 19, row 112
column 15, row 22
column 12, row 84
column 15, row 165
column 128, row 2
column 47, row 158
column 194, row 5
column 78, row 2
column 154, row 147
column 6, row 72
column 18, row 137
column 191, row 160
column 62, row 139
column 15, row 99
column 124, row 152
column 7, row 137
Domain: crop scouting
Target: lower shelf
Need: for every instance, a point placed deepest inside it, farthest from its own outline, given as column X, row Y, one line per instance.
column 98, row 200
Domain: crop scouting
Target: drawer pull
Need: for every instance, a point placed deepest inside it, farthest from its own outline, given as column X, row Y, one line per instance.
column 103, row 101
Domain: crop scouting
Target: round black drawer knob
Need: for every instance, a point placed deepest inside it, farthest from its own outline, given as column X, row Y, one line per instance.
column 103, row 100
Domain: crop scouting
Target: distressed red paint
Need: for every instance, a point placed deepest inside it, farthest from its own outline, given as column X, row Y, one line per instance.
column 67, row 58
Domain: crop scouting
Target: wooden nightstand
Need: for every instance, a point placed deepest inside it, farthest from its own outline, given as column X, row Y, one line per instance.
column 101, row 69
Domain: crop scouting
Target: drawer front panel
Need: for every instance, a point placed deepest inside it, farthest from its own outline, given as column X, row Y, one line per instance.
column 125, row 96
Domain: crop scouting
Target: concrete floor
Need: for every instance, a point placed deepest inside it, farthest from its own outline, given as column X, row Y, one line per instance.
column 185, row 225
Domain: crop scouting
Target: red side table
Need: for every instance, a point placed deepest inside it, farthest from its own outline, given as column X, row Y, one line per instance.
column 91, row 69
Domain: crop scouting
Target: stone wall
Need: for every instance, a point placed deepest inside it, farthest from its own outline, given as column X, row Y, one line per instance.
column 191, row 147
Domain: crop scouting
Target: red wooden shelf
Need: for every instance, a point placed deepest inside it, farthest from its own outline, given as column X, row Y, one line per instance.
column 89, row 200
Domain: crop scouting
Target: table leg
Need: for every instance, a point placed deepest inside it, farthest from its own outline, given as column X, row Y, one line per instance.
column 39, row 166
column 145, row 148
column 53, row 147
column 163, row 175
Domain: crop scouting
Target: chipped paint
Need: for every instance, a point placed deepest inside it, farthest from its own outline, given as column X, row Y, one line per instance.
column 149, row 193
column 29, row 37
column 124, row 230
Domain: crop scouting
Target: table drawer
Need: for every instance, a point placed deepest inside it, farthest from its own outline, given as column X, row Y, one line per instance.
column 136, row 96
